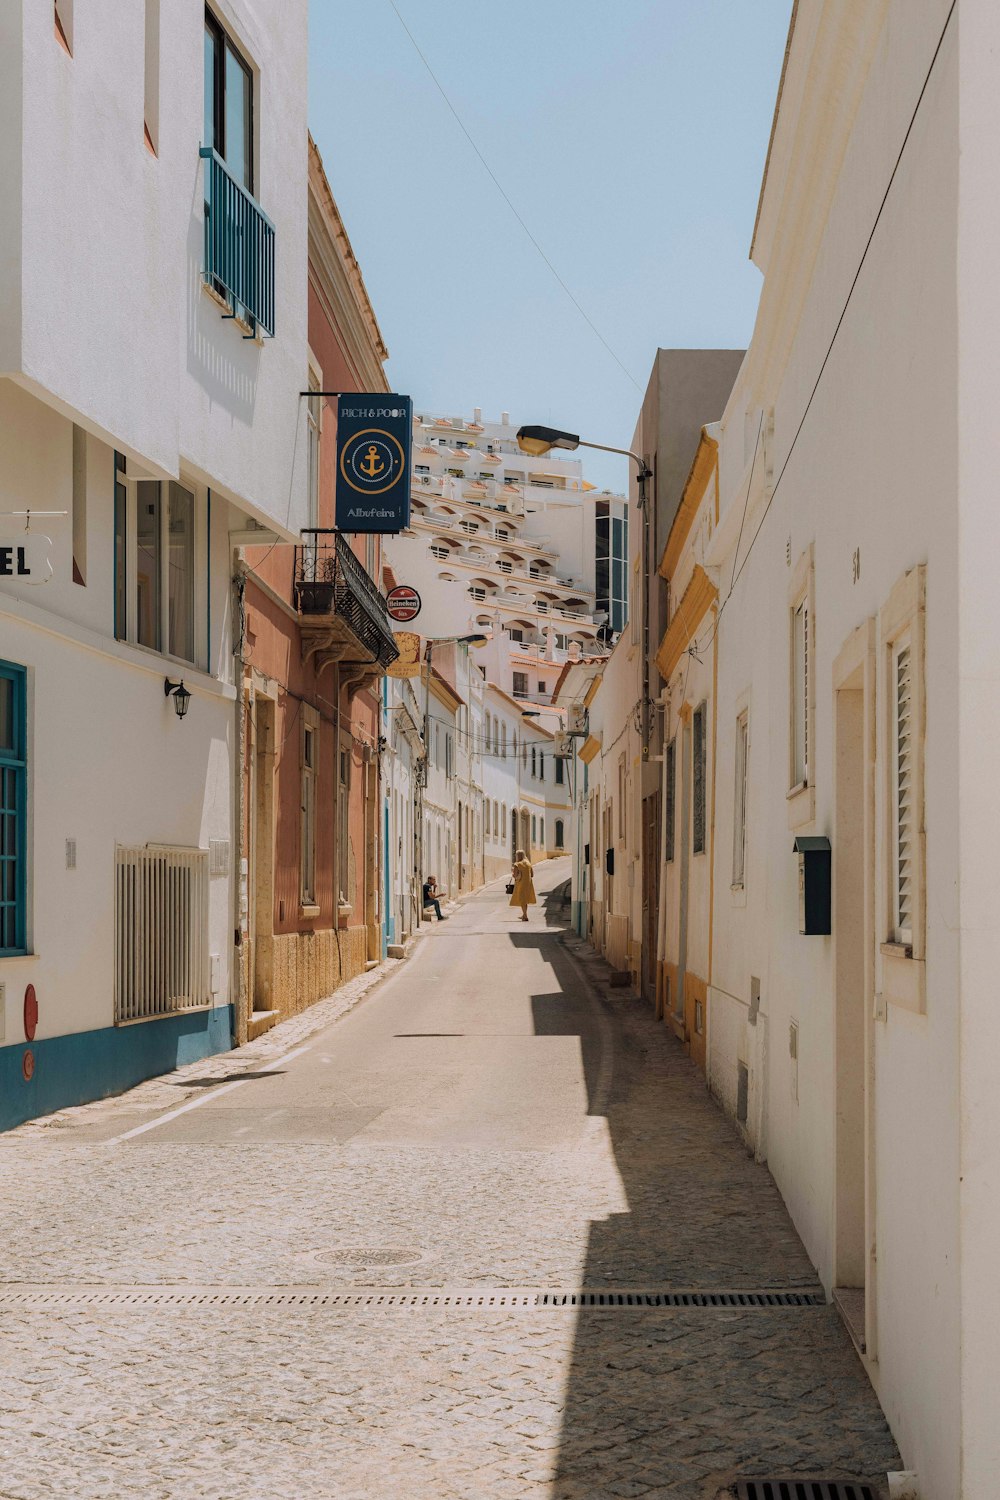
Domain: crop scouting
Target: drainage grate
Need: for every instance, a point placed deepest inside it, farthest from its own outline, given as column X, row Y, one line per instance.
column 682, row 1299
column 413, row 1297
column 794, row 1488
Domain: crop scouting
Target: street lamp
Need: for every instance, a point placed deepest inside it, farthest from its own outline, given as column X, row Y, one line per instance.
column 537, row 442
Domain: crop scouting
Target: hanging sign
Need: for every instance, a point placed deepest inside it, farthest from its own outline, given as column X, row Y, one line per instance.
column 402, row 603
column 373, row 462
column 407, row 663
column 25, row 558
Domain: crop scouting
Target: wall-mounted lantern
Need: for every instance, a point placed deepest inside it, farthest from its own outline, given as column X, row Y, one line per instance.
column 181, row 696
column 814, row 884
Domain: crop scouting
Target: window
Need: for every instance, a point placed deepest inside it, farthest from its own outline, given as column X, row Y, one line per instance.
column 541, row 765
column 671, row 797
column 903, row 811
column 541, row 687
column 559, row 833
column 496, row 819
column 442, row 553
column 800, row 694
column 520, row 684
column 161, row 537
column 147, row 564
column 161, row 931
column 151, row 91
column 121, row 545
column 13, row 809
column 476, row 589
column 63, row 16
column 698, row 769
column 740, row 800
column 228, row 103
column 534, row 831
column 180, row 572
column 79, row 505
column 502, row 534
column 307, row 846
column 343, row 805
column 516, row 635
column 541, row 832
column 560, row 771
column 505, row 565
column 469, row 526
column 533, row 762
column 421, row 469
column 503, row 741
column 621, row 799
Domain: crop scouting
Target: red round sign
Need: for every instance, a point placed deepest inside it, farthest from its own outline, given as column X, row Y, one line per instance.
column 30, row 1013
column 402, row 602
column 28, row 1066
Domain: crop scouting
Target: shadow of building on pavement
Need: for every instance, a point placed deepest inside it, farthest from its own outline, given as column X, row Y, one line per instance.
column 680, row 1402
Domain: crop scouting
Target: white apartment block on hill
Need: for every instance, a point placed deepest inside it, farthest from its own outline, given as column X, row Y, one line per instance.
column 513, row 546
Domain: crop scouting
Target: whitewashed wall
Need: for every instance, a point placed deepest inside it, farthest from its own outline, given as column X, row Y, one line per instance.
column 874, row 472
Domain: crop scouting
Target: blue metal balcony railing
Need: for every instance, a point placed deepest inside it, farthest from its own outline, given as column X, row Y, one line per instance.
column 239, row 246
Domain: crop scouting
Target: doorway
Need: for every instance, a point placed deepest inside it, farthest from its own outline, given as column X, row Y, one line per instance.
column 651, row 857
column 262, row 855
column 853, row 896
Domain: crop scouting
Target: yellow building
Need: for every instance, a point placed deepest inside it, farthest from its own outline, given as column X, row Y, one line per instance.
column 686, row 660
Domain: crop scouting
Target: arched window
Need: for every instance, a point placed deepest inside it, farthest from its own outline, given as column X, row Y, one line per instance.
column 496, row 820
column 559, row 833
column 532, row 828
column 541, row 832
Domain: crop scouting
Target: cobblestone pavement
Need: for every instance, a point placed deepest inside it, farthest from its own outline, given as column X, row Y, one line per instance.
column 437, row 1174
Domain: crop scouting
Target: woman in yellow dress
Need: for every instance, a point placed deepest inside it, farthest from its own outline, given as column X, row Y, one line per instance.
column 524, row 887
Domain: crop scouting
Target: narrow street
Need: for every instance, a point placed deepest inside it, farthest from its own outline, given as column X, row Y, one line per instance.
column 203, row 1280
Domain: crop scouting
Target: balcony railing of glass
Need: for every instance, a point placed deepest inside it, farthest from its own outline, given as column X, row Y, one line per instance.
column 239, row 247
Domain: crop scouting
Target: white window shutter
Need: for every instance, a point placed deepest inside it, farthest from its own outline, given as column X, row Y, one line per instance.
column 903, row 800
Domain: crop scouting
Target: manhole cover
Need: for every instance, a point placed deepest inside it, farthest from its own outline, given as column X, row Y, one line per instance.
column 361, row 1258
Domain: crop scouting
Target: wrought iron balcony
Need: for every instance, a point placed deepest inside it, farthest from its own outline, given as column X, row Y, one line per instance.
column 343, row 614
column 239, row 246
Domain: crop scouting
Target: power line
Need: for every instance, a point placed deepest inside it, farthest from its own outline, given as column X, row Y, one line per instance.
column 506, row 198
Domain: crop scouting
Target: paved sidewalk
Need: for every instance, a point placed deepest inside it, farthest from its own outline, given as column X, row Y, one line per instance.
column 492, row 1117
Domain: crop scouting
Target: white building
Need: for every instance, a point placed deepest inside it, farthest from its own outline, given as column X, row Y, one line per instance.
column 144, row 401
column 858, row 703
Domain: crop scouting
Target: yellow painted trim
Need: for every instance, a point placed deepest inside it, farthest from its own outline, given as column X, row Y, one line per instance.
column 592, row 691
column 589, row 749
column 711, row 867
column 699, row 596
column 705, row 462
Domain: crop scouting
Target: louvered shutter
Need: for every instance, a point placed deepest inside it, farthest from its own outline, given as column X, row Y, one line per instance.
column 904, row 822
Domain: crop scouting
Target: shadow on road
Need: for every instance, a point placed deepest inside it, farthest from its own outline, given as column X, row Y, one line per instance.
column 666, row 1402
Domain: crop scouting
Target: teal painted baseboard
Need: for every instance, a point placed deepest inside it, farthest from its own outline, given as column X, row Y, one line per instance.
column 94, row 1064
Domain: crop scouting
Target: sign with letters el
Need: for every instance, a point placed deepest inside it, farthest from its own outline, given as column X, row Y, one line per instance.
column 25, row 558
column 373, row 462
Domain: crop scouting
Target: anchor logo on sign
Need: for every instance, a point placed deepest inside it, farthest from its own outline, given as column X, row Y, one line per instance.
column 371, row 464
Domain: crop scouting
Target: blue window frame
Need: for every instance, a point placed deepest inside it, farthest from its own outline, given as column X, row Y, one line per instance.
column 13, row 809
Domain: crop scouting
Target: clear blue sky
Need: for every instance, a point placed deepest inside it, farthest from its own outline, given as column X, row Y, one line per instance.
column 631, row 137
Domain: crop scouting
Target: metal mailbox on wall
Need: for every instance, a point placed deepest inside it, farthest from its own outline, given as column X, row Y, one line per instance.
column 814, row 884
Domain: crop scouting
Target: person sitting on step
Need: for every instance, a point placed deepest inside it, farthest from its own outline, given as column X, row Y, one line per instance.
column 431, row 896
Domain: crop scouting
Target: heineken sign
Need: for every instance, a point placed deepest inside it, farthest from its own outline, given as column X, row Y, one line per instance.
column 373, row 462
